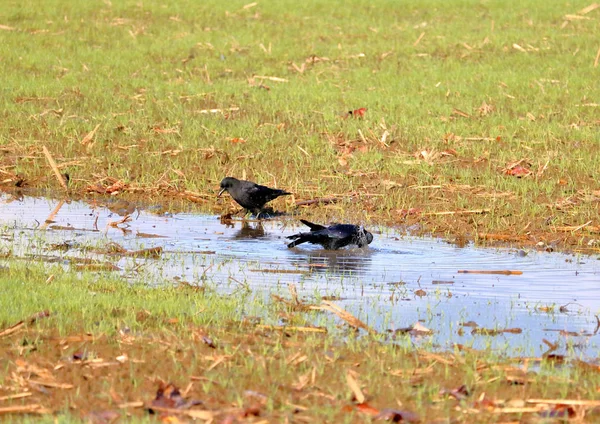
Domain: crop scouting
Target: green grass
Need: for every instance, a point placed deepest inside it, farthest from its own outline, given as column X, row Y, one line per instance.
column 139, row 69
column 145, row 72
column 95, row 302
column 160, row 333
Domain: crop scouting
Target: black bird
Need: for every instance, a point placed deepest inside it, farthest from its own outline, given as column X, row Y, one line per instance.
column 249, row 195
column 332, row 237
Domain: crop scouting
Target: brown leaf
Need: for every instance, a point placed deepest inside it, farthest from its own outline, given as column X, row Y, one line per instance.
column 345, row 315
column 558, row 411
column 485, row 109
column 365, row 408
column 168, row 396
column 459, row 393
column 356, row 113
column 419, row 329
column 89, row 136
column 411, row 211
column 517, row 171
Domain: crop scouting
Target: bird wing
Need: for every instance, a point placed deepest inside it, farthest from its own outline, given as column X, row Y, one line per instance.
column 313, row 227
column 341, row 231
column 264, row 193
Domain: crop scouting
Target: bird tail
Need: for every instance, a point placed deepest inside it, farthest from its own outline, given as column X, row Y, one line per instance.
column 298, row 239
column 313, row 227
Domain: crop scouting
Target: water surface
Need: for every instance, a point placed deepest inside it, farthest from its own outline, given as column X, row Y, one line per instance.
column 396, row 282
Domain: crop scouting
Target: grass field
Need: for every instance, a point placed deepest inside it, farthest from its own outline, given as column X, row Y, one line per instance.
column 456, row 93
column 97, row 348
column 480, row 122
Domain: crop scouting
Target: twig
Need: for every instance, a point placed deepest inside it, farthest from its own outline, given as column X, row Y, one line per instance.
column 573, row 402
column 419, row 39
column 230, row 109
column 475, row 211
column 588, row 9
column 32, row 319
column 134, row 404
column 573, row 228
column 345, row 315
column 192, row 413
column 24, row 409
column 515, row 410
column 597, row 58
column 478, row 139
column 52, row 215
column 355, row 387
column 303, row 151
column 493, row 272
column 292, row 328
column 59, row 176
column 51, row 384
column 294, row 293
column 275, row 79
column 16, row 396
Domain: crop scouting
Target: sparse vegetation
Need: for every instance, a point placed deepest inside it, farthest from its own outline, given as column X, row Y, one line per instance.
column 475, row 120
column 164, row 100
column 104, row 346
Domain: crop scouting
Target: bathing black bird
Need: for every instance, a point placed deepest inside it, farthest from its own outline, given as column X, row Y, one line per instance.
column 332, row 237
column 249, row 195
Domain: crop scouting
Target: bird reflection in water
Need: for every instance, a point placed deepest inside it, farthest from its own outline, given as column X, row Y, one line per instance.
column 248, row 229
column 352, row 261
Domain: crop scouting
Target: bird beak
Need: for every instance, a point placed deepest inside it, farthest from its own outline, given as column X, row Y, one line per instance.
column 221, row 192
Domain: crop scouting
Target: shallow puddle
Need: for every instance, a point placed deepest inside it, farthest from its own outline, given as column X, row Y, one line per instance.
column 393, row 284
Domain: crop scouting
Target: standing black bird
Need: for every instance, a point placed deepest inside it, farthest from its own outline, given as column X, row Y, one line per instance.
column 332, row 237
column 250, row 195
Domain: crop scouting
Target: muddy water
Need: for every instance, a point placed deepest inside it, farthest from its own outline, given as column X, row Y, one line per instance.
column 391, row 285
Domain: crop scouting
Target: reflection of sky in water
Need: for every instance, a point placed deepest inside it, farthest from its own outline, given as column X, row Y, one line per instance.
column 377, row 284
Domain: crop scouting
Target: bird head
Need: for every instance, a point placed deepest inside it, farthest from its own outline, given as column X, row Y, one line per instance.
column 226, row 184
column 364, row 237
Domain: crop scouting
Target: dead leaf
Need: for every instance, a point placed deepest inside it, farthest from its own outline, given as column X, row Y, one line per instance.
column 365, row 408
column 558, row 411
column 89, row 136
column 420, row 293
column 419, row 328
column 459, row 393
column 485, row 109
column 168, row 396
column 345, row 315
column 358, row 113
column 516, row 169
